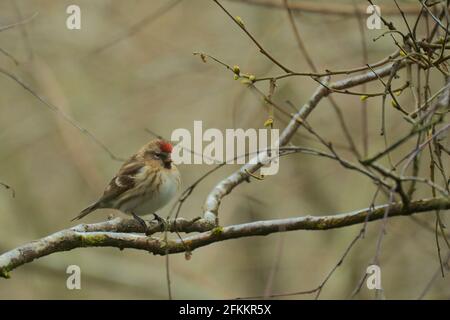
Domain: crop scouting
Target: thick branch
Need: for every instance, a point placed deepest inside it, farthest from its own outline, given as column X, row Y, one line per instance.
column 116, row 233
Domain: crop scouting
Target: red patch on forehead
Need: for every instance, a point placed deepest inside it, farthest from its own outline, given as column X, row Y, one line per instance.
column 165, row 146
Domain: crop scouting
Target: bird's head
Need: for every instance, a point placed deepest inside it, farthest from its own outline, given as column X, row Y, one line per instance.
column 159, row 151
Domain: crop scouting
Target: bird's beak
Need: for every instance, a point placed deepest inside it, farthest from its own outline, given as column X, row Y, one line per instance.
column 167, row 159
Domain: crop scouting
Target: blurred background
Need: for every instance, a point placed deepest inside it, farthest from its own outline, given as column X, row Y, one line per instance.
column 131, row 68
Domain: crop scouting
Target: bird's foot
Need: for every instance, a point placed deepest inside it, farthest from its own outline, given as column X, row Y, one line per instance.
column 153, row 229
column 142, row 223
column 158, row 218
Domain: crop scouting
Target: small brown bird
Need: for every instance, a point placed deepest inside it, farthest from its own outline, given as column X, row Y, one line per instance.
column 145, row 183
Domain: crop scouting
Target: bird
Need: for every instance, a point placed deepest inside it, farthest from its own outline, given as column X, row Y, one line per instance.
column 145, row 183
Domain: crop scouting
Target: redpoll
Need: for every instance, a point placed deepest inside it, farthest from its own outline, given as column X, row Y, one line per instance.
column 146, row 182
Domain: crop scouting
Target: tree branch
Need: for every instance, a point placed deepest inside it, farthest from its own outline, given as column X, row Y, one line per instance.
column 224, row 187
column 118, row 233
column 331, row 8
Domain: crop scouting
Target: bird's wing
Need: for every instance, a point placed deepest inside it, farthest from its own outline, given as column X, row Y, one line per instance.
column 123, row 181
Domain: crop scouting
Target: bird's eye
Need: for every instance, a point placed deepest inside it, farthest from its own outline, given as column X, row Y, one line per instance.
column 157, row 155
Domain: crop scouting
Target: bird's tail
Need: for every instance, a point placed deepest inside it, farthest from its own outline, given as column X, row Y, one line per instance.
column 86, row 211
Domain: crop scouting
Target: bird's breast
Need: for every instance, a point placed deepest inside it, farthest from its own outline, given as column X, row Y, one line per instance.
column 159, row 193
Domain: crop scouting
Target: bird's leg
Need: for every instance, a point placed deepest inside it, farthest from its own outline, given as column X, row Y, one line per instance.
column 141, row 222
column 161, row 222
column 158, row 218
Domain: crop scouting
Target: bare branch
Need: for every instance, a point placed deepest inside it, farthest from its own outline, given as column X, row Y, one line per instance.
column 7, row 186
column 224, row 187
column 152, row 17
column 330, row 7
column 260, row 47
column 15, row 24
column 60, row 113
column 118, row 232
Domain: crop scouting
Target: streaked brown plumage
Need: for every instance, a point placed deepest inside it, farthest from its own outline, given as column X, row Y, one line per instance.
column 146, row 182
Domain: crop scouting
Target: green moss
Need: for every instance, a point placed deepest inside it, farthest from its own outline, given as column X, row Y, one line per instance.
column 217, row 231
column 93, row 240
column 322, row 225
column 4, row 274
